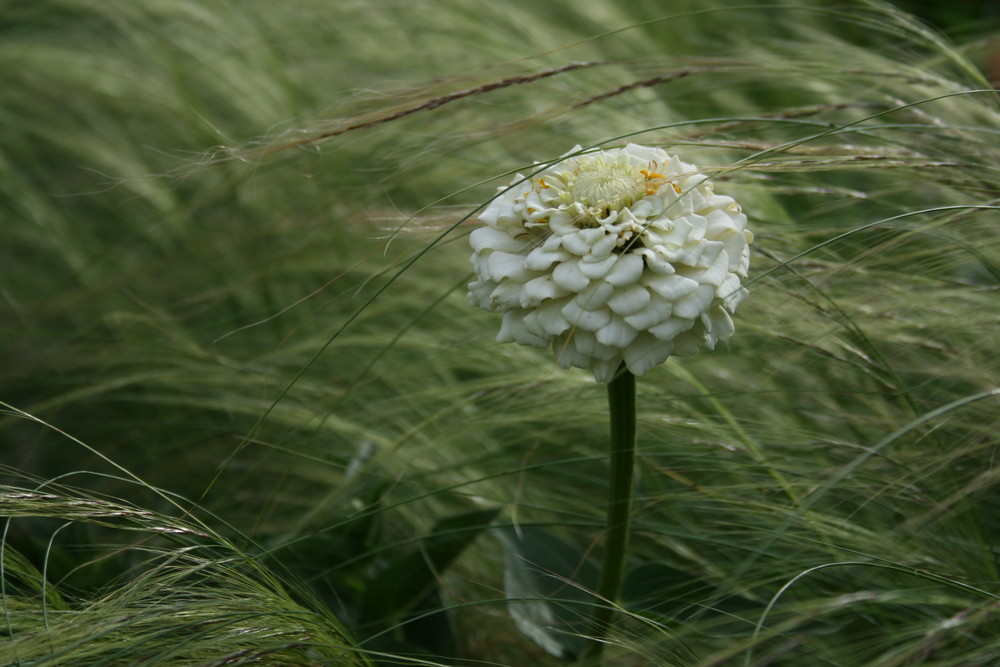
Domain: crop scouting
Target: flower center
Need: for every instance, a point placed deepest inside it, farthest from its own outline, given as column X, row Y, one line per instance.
column 607, row 185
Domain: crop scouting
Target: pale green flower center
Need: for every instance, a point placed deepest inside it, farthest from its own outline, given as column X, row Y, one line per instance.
column 606, row 185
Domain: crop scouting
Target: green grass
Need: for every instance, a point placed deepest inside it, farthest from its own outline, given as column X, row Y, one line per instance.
column 251, row 419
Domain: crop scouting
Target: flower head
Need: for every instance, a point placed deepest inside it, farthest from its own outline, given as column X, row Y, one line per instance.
column 621, row 255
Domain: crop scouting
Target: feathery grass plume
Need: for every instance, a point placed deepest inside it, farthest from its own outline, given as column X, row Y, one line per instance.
column 187, row 597
column 801, row 496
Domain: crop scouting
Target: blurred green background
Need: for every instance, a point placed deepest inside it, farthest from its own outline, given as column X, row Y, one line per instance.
column 251, row 418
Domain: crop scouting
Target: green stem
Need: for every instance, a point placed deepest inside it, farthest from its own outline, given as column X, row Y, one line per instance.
column 621, row 404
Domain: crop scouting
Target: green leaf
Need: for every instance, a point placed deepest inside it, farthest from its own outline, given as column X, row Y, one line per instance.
column 407, row 580
column 433, row 631
column 663, row 590
column 673, row 595
column 548, row 582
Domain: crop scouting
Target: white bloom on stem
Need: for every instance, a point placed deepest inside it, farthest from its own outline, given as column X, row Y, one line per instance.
column 623, row 254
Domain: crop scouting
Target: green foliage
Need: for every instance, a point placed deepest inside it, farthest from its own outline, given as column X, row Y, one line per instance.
column 250, row 418
column 549, row 583
column 186, row 596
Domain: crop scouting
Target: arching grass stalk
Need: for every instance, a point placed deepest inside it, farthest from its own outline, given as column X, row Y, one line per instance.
column 621, row 408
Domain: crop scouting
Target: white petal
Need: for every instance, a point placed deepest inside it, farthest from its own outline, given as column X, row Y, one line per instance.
column 657, row 311
column 643, row 155
column 547, row 320
column 735, row 242
column 695, row 303
column 729, row 291
column 626, row 270
column 594, row 269
column 569, row 277
column 583, row 341
column 604, row 246
column 541, row 259
column 487, row 238
column 699, row 226
column 550, row 196
column 501, row 209
column 732, row 294
column 719, row 323
column 588, row 320
column 595, row 296
column 682, row 229
column 505, row 296
column 592, row 235
column 605, row 352
column 538, row 289
column 646, row 352
column 629, row 300
column 500, row 265
column 561, row 223
column 576, row 244
column 568, row 355
column 715, row 274
column 648, row 207
column 708, row 253
column 479, row 293
column 686, row 344
column 552, row 243
column 604, row 370
column 665, row 253
column 668, row 330
column 616, row 333
column 700, row 198
column 671, row 288
column 512, row 330
column 721, row 223
column 656, row 261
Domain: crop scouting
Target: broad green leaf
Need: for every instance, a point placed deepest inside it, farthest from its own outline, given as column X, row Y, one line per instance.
column 548, row 583
column 407, row 580
column 675, row 596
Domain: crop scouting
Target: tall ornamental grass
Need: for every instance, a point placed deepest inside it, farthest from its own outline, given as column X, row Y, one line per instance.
column 249, row 416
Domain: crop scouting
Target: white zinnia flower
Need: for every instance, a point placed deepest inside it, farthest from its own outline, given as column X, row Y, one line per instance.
column 617, row 255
